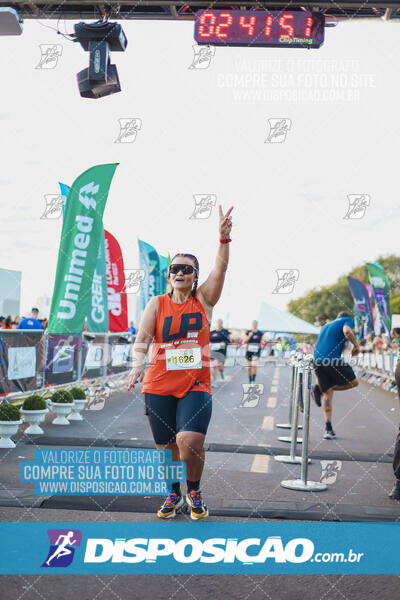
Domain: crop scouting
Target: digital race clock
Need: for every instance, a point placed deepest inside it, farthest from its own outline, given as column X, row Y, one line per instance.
column 283, row 29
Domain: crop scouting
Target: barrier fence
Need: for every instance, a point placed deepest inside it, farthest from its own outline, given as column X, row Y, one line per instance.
column 31, row 360
column 378, row 360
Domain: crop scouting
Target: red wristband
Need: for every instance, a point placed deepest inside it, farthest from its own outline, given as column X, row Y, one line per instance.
column 226, row 241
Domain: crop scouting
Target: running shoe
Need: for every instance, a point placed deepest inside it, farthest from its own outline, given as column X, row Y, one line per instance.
column 172, row 504
column 316, row 394
column 395, row 493
column 198, row 510
column 329, row 434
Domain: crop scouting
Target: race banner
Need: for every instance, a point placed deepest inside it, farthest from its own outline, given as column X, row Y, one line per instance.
column 117, row 301
column 119, row 354
column 164, row 265
column 363, row 302
column 21, row 361
column 150, row 263
column 95, row 355
column 144, row 266
column 97, row 316
column 381, row 290
column 378, row 323
column 64, row 195
column 77, row 256
column 357, row 322
column 62, row 356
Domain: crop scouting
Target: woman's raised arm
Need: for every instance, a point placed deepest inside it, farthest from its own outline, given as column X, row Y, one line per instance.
column 211, row 289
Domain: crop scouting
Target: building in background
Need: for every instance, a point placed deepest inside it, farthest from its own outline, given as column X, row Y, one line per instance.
column 10, row 292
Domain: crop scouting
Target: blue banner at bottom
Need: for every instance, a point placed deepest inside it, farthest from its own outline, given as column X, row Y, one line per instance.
column 201, row 548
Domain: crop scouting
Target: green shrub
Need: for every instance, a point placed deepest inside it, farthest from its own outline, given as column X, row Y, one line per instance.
column 78, row 392
column 34, row 402
column 9, row 412
column 62, row 397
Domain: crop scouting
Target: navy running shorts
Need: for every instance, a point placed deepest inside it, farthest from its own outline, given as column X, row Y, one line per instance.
column 168, row 415
column 249, row 355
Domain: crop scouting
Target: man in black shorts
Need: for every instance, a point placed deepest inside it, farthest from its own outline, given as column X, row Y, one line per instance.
column 219, row 340
column 252, row 340
column 331, row 371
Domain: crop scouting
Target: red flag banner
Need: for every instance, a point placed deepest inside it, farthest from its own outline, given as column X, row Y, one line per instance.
column 117, row 301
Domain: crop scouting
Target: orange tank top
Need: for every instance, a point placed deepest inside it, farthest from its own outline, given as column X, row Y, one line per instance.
column 180, row 358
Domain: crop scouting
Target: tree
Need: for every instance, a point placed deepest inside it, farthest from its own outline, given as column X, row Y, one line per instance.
column 324, row 303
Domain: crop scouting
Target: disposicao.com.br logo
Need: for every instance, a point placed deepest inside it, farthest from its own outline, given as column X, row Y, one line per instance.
column 212, row 550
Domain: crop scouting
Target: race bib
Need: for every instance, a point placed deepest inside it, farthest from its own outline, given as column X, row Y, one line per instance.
column 183, row 358
column 253, row 347
column 216, row 346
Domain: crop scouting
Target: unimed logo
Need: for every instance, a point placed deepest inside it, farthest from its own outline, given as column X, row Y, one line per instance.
column 62, row 547
column 190, row 550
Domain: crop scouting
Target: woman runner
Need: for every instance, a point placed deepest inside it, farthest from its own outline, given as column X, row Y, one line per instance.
column 177, row 384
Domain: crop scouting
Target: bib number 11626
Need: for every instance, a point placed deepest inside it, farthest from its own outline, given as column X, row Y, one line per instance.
column 183, row 358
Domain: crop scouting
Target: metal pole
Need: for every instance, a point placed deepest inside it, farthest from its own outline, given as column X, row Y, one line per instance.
column 293, row 376
column 296, row 400
column 79, row 369
column 303, row 484
column 298, row 391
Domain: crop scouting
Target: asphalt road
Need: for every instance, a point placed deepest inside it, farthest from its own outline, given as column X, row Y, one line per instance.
column 241, row 481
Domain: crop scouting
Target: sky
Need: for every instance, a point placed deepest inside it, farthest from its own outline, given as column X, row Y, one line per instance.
column 206, row 131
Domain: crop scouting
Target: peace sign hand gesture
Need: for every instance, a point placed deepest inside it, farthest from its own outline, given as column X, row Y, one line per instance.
column 225, row 223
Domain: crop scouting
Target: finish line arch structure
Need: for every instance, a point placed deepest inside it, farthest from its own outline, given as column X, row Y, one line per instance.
column 333, row 10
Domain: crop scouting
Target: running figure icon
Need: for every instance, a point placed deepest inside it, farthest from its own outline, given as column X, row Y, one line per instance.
column 62, row 549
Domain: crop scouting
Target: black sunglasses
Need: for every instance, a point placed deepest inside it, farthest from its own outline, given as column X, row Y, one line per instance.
column 186, row 269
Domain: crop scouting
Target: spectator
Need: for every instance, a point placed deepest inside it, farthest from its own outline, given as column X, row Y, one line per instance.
column 1, row 322
column 31, row 322
column 369, row 343
column 131, row 328
column 7, row 323
column 395, row 335
column 377, row 344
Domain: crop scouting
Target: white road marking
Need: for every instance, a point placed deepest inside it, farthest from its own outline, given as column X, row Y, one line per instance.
column 271, row 402
column 260, row 463
column 273, row 389
column 268, row 423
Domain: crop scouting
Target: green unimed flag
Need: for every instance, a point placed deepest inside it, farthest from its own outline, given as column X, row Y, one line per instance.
column 97, row 314
column 79, row 245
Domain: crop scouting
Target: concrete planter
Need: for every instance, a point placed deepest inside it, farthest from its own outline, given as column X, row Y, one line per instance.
column 33, row 418
column 7, row 429
column 79, row 405
column 61, row 410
